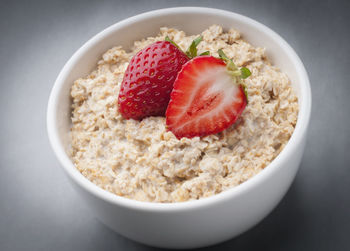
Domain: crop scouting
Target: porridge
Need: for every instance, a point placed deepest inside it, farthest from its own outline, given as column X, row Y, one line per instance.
column 142, row 160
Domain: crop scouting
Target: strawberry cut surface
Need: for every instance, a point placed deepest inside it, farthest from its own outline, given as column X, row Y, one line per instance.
column 148, row 80
column 205, row 100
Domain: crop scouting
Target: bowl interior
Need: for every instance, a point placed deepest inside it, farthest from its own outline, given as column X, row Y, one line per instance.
column 190, row 20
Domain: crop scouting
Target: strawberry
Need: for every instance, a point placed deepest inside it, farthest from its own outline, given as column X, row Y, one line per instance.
column 208, row 96
column 148, row 80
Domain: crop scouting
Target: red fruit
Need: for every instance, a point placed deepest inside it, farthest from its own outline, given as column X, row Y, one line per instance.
column 205, row 99
column 148, row 80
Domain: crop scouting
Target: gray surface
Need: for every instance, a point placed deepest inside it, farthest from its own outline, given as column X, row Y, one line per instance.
column 40, row 211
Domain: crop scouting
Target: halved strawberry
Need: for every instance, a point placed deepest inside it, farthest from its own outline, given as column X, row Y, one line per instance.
column 208, row 96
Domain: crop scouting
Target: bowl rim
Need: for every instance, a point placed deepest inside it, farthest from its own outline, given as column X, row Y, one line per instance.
column 296, row 138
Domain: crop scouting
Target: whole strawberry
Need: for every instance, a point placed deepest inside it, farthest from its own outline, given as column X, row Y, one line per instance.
column 148, row 80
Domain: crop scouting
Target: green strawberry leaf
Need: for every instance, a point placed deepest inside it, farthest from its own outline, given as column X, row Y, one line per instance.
column 222, row 55
column 245, row 91
column 245, row 72
column 204, row 53
column 171, row 41
column 192, row 50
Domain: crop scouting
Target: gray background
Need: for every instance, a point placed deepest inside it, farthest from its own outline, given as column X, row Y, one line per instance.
column 39, row 210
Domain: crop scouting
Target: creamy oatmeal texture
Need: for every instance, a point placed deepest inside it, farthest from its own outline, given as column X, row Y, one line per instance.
column 141, row 160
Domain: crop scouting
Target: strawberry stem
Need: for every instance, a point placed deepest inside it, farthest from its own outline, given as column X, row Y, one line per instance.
column 232, row 68
column 237, row 74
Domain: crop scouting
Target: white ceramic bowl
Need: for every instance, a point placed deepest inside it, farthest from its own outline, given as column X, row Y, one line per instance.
column 195, row 223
